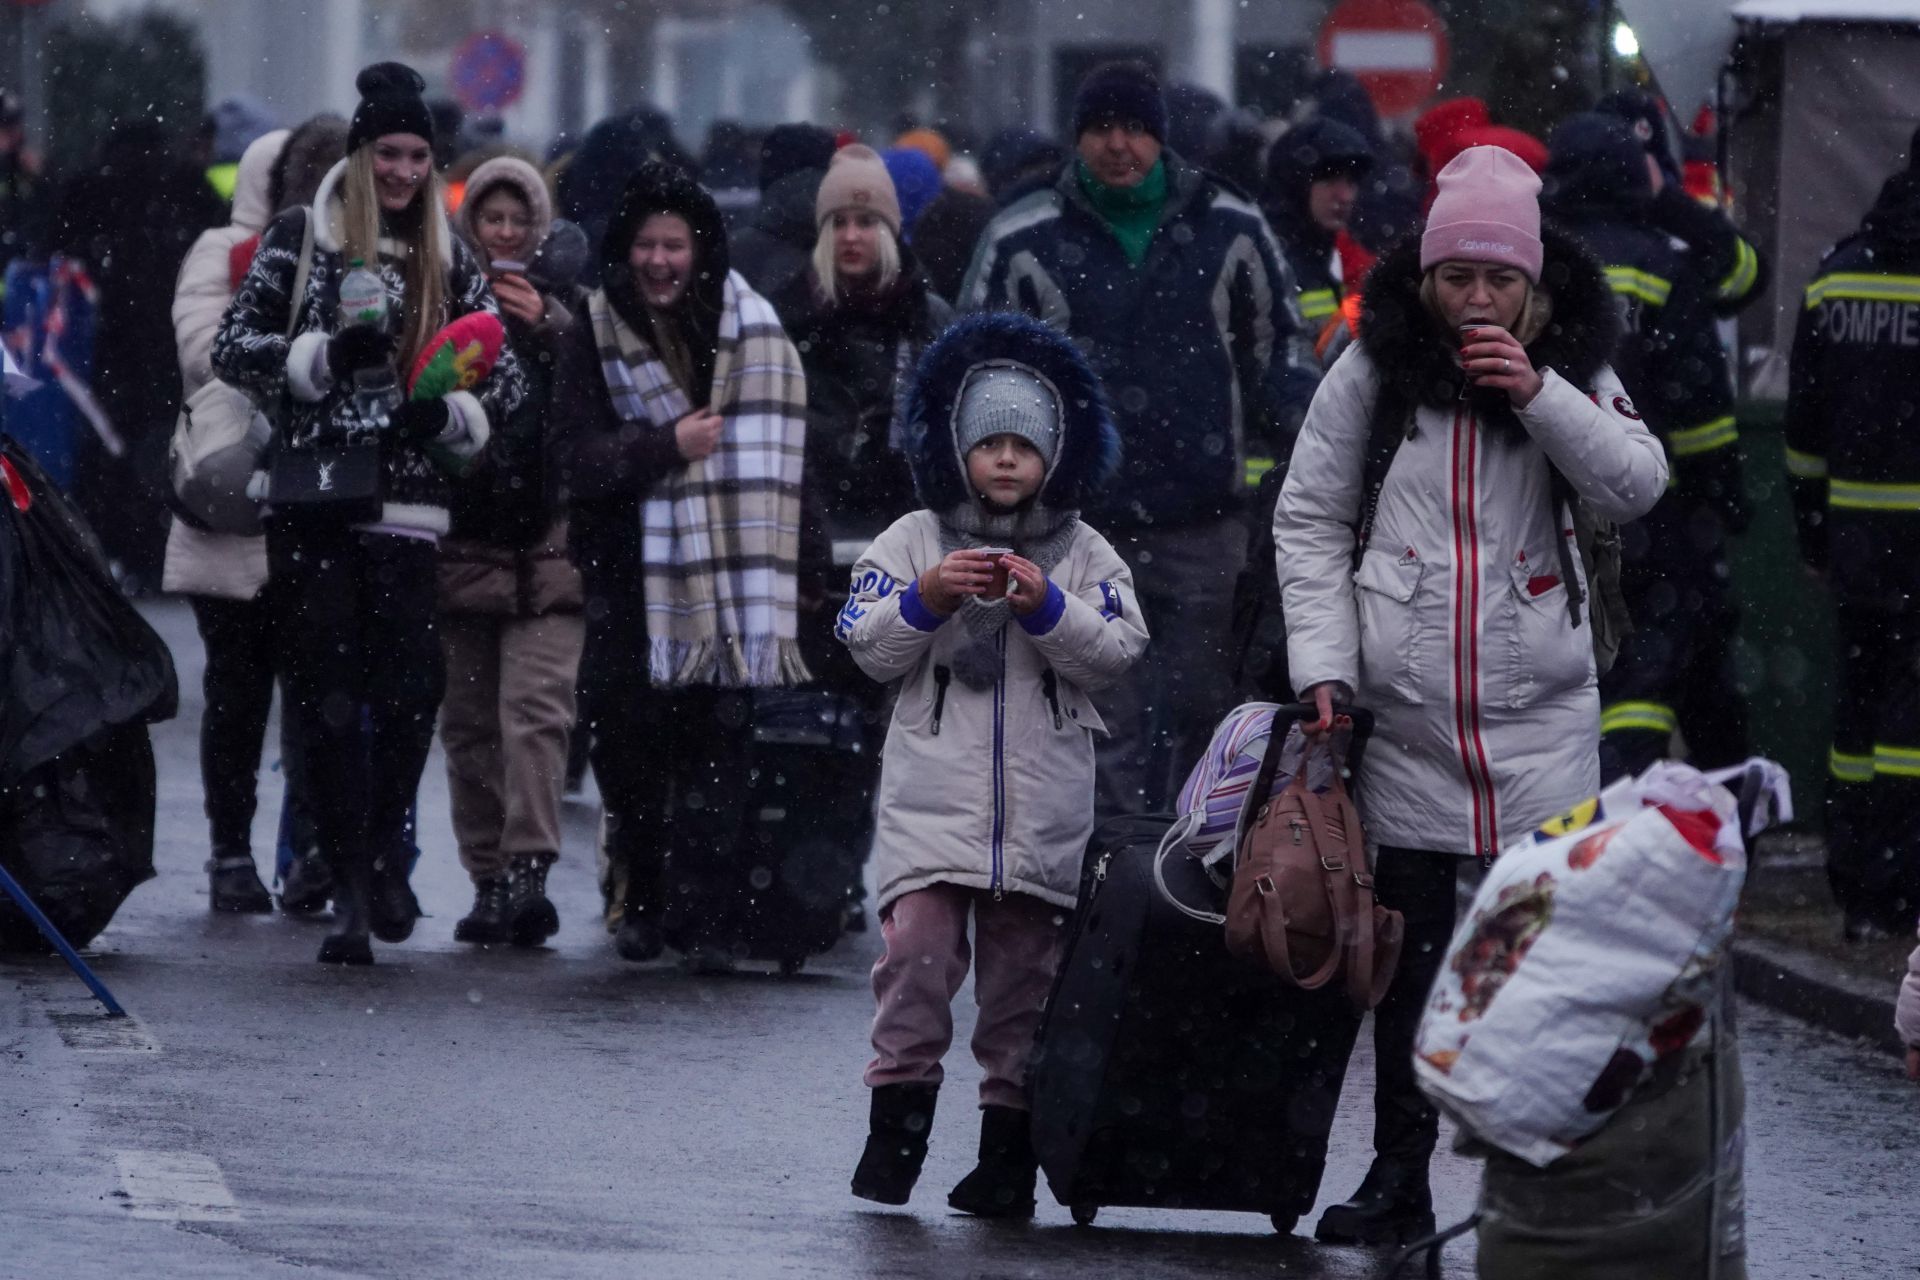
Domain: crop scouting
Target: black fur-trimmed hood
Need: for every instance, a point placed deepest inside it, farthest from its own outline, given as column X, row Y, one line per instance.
column 1415, row 355
column 1089, row 442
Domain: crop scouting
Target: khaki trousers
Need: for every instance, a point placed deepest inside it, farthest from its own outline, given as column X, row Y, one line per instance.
column 505, row 724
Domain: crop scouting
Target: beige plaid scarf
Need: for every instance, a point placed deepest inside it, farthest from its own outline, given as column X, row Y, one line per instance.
column 720, row 538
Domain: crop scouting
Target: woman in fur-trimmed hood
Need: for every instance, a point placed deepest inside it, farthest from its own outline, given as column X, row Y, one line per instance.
column 986, row 786
column 1457, row 611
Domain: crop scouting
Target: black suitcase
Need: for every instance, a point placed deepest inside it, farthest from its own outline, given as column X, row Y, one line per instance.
column 1169, row 1073
column 808, row 822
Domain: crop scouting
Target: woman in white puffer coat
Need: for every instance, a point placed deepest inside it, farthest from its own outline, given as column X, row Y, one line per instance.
column 1461, row 624
column 224, row 575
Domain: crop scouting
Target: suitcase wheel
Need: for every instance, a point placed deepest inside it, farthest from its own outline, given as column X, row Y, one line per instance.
column 1284, row 1223
column 1084, row 1214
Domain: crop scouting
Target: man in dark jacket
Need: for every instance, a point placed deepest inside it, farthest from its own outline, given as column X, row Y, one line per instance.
column 1676, row 669
column 1736, row 270
column 776, row 246
column 131, row 219
column 1853, row 457
column 1315, row 174
column 1173, row 285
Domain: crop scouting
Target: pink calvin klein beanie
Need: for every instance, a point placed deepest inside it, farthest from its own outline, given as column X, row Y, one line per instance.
column 1488, row 210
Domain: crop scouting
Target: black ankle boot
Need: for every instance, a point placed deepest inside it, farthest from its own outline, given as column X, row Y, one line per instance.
column 234, row 885
column 486, row 924
column 393, row 908
column 1394, row 1205
column 349, row 942
column 1001, row 1185
column 307, row 885
column 899, row 1120
column 531, row 917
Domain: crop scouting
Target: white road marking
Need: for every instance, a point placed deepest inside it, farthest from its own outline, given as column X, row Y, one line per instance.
column 174, row 1186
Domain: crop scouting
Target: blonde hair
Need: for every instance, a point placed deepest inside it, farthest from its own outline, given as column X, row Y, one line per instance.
column 827, row 271
column 425, row 303
column 1536, row 310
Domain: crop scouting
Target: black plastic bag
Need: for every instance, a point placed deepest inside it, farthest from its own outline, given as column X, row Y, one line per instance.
column 78, row 657
column 77, row 833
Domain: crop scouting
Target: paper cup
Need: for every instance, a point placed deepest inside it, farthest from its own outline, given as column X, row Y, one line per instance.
column 997, row 588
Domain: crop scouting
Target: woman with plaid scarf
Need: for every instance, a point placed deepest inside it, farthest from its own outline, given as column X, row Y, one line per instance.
column 685, row 408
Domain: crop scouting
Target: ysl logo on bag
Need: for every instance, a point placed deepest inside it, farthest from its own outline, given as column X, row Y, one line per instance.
column 326, row 476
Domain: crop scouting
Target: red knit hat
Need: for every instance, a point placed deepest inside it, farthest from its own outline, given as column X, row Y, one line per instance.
column 1488, row 210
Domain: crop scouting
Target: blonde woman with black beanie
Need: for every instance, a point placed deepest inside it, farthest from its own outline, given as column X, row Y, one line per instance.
column 360, row 487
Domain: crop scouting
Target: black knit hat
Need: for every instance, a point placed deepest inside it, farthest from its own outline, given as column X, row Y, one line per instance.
column 789, row 148
column 1121, row 91
column 391, row 101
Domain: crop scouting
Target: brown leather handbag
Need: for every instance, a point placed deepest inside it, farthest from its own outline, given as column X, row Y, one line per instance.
column 1302, row 899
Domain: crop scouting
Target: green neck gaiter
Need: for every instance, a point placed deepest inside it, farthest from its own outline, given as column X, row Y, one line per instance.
column 1132, row 212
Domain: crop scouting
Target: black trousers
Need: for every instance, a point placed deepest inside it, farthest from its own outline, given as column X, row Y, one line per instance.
column 242, row 656
column 1873, row 787
column 1419, row 885
column 673, row 768
column 357, row 617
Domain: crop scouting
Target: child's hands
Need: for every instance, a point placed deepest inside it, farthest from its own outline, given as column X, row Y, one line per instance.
column 946, row 586
column 1026, row 585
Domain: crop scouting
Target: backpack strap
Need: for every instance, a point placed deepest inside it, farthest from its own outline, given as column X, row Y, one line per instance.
column 1560, row 501
column 1385, row 430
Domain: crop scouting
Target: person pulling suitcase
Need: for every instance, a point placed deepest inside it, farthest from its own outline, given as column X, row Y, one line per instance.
column 995, row 611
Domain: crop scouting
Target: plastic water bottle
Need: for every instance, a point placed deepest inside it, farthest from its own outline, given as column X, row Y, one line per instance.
column 363, row 296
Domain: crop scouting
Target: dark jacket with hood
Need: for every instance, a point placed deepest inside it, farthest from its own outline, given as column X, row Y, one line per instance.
column 506, row 554
column 1201, row 346
column 1853, row 417
column 1309, row 151
column 778, row 245
column 1669, row 357
column 857, row 354
column 253, row 352
column 609, row 465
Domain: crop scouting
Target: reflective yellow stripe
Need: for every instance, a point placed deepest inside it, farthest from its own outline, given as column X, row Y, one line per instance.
column 1806, row 466
column 1624, row 717
column 1257, row 468
column 1865, row 286
column 1746, row 270
column 1640, row 284
column 1848, row 768
column 1318, row 304
column 1899, row 762
column 1705, row 438
column 1855, row 495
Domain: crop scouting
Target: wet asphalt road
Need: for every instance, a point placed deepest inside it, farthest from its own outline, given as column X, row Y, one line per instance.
column 453, row 1112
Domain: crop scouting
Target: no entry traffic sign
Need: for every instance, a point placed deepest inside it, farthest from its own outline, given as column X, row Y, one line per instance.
column 1397, row 48
column 489, row 71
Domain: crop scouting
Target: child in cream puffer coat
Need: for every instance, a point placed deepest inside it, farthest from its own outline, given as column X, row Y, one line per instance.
column 987, row 783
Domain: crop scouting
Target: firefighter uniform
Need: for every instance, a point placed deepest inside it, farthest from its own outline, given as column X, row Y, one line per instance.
column 1675, row 672
column 1853, row 461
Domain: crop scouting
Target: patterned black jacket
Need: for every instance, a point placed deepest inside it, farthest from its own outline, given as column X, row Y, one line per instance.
column 289, row 376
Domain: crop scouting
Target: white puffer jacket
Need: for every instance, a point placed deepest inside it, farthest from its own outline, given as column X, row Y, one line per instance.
column 989, row 788
column 200, row 563
column 1455, row 629
column 1907, row 1010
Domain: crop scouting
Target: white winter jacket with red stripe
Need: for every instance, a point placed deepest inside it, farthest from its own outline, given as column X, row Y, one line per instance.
column 1455, row 627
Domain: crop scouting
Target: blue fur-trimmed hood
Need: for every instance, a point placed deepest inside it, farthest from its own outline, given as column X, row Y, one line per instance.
column 1089, row 442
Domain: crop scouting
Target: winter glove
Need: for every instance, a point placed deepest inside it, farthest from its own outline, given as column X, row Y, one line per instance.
column 356, row 347
column 420, row 421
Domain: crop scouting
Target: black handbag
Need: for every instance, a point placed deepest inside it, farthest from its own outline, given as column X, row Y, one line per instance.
column 341, row 481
